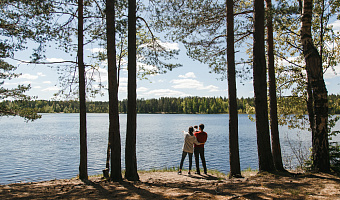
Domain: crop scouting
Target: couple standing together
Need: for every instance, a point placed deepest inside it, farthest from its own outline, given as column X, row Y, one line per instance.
column 194, row 143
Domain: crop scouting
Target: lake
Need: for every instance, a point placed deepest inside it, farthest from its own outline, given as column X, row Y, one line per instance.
column 48, row 148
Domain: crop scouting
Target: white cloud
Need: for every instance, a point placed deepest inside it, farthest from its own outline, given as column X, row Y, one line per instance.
column 188, row 75
column 336, row 25
column 37, row 87
column 166, row 93
column 28, row 76
column 211, row 88
column 18, row 83
column 142, row 89
column 330, row 73
column 7, row 83
column 40, row 74
column 192, row 84
column 47, row 82
column 140, row 66
column 26, row 82
column 55, row 60
column 168, row 45
column 145, row 67
column 123, row 82
column 186, row 83
column 122, row 89
column 54, row 88
column 99, row 75
column 96, row 50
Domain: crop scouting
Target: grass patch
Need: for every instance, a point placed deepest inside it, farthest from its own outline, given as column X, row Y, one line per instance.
column 249, row 169
column 218, row 174
column 249, row 172
column 165, row 169
column 294, row 192
column 278, row 191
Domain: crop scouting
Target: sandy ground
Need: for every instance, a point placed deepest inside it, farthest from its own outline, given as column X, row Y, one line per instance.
column 170, row 185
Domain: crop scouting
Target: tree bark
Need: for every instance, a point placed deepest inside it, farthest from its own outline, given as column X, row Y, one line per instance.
column 114, row 133
column 82, row 96
column 260, row 90
column 274, row 127
column 320, row 152
column 234, row 158
column 130, row 147
column 310, row 108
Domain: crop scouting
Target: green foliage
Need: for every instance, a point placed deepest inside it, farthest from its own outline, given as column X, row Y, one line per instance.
column 201, row 26
column 12, row 109
column 290, row 63
column 153, row 55
column 334, row 156
column 20, row 21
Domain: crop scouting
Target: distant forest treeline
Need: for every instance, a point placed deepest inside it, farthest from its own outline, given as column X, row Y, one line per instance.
column 187, row 105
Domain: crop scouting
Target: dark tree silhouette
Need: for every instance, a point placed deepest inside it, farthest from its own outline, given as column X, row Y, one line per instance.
column 114, row 133
column 260, row 90
column 130, row 147
column 234, row 157
column 274, row 127
column 82, row 95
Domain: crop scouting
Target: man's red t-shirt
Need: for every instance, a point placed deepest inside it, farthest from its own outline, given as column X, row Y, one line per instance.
column 201, row 137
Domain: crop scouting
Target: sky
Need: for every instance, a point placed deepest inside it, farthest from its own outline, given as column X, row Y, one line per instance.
column 192, row 79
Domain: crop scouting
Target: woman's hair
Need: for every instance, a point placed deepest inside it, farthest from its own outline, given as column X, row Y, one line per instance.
column 191, row 130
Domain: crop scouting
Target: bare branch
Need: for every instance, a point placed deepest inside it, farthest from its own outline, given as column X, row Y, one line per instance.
column 290, row 62
column 44, row 63
column 244, row 12
column 152, row 35
column 214, row 40
column 244, row 36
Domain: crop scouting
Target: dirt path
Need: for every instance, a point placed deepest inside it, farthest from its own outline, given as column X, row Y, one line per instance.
column 170, row 185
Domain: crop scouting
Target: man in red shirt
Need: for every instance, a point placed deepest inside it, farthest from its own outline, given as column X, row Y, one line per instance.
column 199, row 149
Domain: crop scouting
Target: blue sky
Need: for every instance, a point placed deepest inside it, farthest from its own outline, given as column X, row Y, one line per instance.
column 192, row 79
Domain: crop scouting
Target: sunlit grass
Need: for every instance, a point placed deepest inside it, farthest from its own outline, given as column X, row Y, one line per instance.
column 220, row 175
column 249, row 172
column 165, row 169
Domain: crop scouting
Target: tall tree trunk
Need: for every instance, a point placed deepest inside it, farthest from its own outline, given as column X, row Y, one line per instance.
column 114, row 133
column 310, row 108
column 274, row 127
column 260, row 90
column 320, row 153
column 234, row 158
column 130, row 147
column 82, row 96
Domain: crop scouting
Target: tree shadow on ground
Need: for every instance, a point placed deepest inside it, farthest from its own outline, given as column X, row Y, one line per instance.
column 321, row 176
column 206, row 177
column 265, row 186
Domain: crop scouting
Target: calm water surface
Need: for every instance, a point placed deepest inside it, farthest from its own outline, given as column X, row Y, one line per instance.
column 48, row 148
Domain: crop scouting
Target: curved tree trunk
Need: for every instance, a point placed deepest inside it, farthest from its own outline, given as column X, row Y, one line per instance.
column 320, row 153
column 274, row 127
column 260, row 90
column 82, row 96
column 114, row 133
column 234, row 158
column 130, row 147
